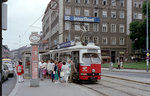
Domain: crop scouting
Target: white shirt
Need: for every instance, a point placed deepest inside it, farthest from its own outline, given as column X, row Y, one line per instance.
column 40, row 64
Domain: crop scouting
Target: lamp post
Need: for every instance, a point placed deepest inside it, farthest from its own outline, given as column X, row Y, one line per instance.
column 147, row 59
column 1, row 1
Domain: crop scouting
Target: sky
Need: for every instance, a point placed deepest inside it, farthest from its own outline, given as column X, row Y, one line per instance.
column 21, row 15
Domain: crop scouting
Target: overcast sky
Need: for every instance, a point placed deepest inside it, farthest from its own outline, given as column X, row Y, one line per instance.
column 22, row 14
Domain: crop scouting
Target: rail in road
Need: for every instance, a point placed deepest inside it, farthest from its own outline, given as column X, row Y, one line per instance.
column 110, row 86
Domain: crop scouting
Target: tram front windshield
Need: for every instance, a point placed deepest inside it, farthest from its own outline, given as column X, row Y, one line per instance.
column 91, row 58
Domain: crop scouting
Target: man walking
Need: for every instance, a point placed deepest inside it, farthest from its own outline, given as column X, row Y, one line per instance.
column 20, row 72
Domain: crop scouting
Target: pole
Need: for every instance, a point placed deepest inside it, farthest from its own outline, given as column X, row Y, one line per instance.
column 1, row 47
column 147, row 39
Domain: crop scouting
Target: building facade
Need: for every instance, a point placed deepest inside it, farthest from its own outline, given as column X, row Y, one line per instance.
column 104, row 22
column 5, row 52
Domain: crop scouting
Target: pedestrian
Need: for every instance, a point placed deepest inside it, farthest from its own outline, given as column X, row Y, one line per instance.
column 20, row 72
column 72, row 72
column 44, row 65
column 121, row 63
column 118, row 63
column 52, row 70
column 65, row 70
column 49, row 69
column 56, row 77
column 41, row 70
column 59, row 68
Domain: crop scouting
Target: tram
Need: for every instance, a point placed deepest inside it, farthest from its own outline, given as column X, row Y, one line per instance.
column 87, row 59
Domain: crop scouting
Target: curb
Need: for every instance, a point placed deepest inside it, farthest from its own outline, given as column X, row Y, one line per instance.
column 14, row 91
column 126, row 71
column 125, row 79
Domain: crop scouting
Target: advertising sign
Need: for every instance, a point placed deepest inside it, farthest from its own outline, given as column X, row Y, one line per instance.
column 82, row 19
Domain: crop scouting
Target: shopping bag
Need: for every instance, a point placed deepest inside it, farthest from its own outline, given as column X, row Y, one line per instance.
column 62, row 74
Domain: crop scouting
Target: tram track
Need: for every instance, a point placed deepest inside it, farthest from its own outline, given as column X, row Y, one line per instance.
column 126, row 79
column 95, row 90
column 127, row 89
column 127, row 86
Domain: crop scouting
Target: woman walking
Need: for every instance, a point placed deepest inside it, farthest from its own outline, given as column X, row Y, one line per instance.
column 56, row 77
column 65, row 70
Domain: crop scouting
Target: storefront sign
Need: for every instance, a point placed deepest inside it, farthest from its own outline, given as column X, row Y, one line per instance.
column 81, row 19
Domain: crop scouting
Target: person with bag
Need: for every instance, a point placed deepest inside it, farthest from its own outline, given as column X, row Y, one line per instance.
column 44, row 69
column 20, row 72
column 72, row 72
column 65, row 70
column 56, row 77
column 59, row 69
column 49, row 69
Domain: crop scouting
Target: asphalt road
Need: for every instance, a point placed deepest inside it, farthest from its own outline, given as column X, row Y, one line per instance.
column 129, row 74
column 8, row 85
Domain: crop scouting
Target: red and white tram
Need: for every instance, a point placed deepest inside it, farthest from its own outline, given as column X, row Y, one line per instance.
column 87, row 60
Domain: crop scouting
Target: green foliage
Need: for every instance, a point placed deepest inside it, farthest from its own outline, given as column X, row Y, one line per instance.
column 138, row 31
column 133, row 65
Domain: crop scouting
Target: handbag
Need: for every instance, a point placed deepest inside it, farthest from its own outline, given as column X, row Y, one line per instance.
column 62, row 74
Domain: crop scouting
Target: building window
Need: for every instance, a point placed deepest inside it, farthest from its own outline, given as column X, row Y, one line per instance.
column 95, row 2
column 113, row 14
column 95, row 40
column 104, row 2
column 67, row 10
column 87, row 26
column 104, row 27
column 137, row 4
column 122, row 3
column 67, row 0
column 77, row 26
column 77, row 1
column 140, row 16
column 95, row 27
column 104, row 14
column 86, row 12
column 67, row 25
column 95, row 13
column 86, row 39
column 104, row 41
column 121, row 41
column 77, row 11
column 86, row 1
column 137, row 16
column 121, row 14
column 113, row 2
column 121, row 28
column 113, row 27
column 113, row 40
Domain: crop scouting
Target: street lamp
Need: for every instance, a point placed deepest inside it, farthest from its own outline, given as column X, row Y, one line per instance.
column 147, row 59
column 1, row 1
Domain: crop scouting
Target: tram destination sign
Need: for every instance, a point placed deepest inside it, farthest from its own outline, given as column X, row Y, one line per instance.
column 81, row 19
column 66, row 44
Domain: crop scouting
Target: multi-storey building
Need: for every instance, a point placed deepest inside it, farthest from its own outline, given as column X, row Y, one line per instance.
column 104, row 22
column 5, row 52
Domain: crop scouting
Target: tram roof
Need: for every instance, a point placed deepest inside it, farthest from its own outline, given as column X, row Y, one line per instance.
column 77, row 47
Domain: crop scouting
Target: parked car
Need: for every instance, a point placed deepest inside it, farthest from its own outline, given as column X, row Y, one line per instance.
column 5, row 73
column 10, row 69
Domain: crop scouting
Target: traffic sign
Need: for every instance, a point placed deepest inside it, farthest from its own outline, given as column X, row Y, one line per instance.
column 147, row 54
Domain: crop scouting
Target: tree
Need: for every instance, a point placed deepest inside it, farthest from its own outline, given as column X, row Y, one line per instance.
column 138, row 31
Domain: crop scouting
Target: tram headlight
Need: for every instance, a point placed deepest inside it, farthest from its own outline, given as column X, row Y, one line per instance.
column 93, row 70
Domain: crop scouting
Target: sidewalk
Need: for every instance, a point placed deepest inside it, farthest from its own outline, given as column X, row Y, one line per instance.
column 47, row 88
column 129, row 78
